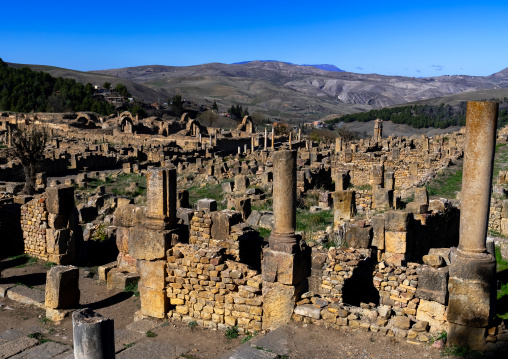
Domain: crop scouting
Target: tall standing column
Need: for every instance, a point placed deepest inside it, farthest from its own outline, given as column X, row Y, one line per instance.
column 266, row 137
column 472, row 270
column 286, row 262
column 273, row 138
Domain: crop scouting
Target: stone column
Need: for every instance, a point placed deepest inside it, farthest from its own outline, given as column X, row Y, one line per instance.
column 472, row 270
column 273, row 138
column 252, row 144
column 266, row 138
column 286, row 262
column 290, row 135
column 93, row 335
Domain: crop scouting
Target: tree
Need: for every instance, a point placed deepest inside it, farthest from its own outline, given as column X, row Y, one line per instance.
column 107, row 85
column 177, row 104
column 122, row 90
column 28, row 144
column 215, row 107
column 237, row 112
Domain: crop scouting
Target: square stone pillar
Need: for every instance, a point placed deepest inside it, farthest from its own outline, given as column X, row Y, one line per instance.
column 286, row 263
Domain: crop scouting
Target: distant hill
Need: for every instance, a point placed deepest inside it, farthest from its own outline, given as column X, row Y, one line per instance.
column 285, row 91
column 302, row 93
column 325, row 67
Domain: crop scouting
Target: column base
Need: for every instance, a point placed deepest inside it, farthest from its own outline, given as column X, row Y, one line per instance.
column 472, row 295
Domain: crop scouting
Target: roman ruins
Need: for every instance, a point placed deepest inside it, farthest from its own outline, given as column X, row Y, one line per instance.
column 392, row 261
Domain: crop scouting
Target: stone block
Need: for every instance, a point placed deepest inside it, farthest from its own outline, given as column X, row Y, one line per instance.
column 286, row 268
column 62, row 287
column 504, row 226
column 432, row 312
column 104, row 269
column 344, row 207
column 433, row 284
column 395, row 258
column 459, row 334
column 154, row 303
column 128, row 215
column 421, row 195
column 471, row 287
column 243, row 205
column 152, row 274
column 119, row 279
column 309, row 310
column 57, row 241
column 278, row 304
column 227, row 187
column 253, row 219
column 396, row 221
column 222, row 222
column 122, row 239
column 434, row 260
column 149, row 244
column 60, row 199
column 358, row 237
column 241, row 183
column 378, row 231
column 396, row 242
column 401, row 322
column 382, row 198
column 207, row 205
column 417, row 208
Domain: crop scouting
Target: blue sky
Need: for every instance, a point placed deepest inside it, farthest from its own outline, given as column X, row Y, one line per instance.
column 408, row 38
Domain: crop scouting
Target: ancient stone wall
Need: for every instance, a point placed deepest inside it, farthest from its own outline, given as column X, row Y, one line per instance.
column 34, row 222
column 214, row 292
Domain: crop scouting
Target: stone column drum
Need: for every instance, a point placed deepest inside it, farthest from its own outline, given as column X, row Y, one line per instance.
column 472, row 269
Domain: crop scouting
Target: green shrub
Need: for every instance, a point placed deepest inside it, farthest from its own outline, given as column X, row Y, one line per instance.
column 231, row 333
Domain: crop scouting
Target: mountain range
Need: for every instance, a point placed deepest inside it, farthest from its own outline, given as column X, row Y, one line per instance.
column 283, row 90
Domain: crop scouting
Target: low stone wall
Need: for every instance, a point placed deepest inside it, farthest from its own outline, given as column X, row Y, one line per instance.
column 358, row 293
column 214, row 292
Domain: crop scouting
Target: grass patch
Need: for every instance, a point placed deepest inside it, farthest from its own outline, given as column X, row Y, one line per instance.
column 265, row 205
column 364, row 187
column 249, row 336
column 39, row 337
column 231, row 333
column 45, row 320
column 462, row 351
column 127, row 346
column 133, row 288
column 502, row 264
column 212, row 191
column 265, row 233
column 151, row 334
column 100, row 233
column 193, row 324
column 49, row 265
column 446, row 184
column 502, row 293
column 26, row 259
column 312, row 222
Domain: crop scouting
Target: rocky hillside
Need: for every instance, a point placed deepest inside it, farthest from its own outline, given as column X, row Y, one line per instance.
column 300, row 91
